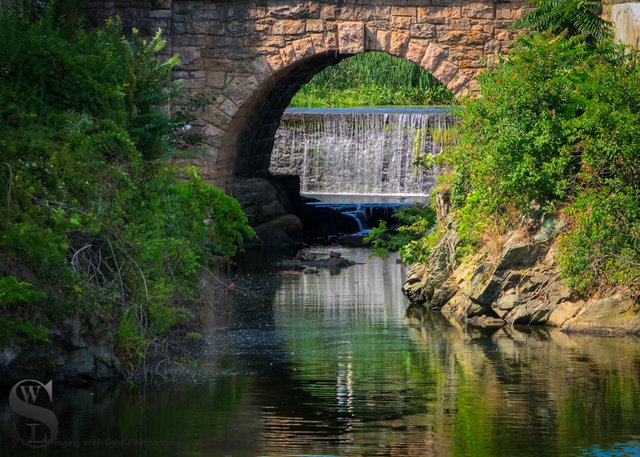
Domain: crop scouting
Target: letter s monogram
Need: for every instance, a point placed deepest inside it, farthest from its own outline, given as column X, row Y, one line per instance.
column 24, row 407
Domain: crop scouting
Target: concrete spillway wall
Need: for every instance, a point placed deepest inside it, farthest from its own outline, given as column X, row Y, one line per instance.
column 626, row 23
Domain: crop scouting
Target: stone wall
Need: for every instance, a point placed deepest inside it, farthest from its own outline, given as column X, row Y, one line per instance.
column 250, row 57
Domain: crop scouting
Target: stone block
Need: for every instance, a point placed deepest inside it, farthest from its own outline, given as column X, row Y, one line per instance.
column 416, row 50
column 302, row 10
column 315, row 25
column 399, row 43
column 503, row 11
column 504, row 35
column 492, row 48
column 377, row 40
column 237, row 91
column 237, row 28
column 426, row 31
column 400, row 22
column 328, row 12
column 161, row 4
column 319, row 44
column 331, row 41
column 445, row 72
column 432, row 57
column 373, row 13
column 275, row 61
column 288, row 55
column 479, row 10
column 452, row 37
column 409, row 11
column 351, row 37
column 228, row 107
column 303, row 48
column 438, row 14
column 289, row 27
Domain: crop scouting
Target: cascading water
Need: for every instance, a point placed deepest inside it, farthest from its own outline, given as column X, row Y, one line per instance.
column 368, row 151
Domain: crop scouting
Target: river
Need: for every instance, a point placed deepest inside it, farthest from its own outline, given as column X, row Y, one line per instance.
column 324, row 364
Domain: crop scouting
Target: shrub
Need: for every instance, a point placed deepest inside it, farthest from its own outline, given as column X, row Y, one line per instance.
column 92, row 208
column 556, row 130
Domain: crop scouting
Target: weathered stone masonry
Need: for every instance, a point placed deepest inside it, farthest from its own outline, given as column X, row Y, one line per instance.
column 250, row 57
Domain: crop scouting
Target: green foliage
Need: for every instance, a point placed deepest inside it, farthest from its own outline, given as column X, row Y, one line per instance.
column 369, row 79
column 13, row 292
column 413, row 236
column 573, row 17
column 91, row 207
column 556, row 129
column 604, row 243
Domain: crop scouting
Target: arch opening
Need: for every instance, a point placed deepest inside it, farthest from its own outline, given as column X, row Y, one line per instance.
column 249, row 141
column 367, row 149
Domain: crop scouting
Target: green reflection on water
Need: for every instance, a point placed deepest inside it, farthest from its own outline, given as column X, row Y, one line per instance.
column 325, row 365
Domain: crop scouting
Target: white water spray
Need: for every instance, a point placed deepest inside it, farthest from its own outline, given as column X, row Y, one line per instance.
column 367, row 151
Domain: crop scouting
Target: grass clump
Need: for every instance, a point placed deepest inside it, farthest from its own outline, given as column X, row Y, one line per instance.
column 370, row 79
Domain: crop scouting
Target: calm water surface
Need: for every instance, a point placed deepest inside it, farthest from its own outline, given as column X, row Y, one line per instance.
column 325, row 365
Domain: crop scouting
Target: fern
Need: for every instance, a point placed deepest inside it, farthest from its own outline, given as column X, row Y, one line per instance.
column 573, row 17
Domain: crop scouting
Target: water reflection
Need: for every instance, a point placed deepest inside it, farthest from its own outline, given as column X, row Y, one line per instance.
column 325, row 365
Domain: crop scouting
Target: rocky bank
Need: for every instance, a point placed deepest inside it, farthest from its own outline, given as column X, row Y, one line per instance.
column 70, row 355
column 514, row 281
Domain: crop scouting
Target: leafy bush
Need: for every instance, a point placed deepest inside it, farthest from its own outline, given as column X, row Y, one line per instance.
column 413, row 236
column 574, row 17
column 92, row 212
column 556, row 129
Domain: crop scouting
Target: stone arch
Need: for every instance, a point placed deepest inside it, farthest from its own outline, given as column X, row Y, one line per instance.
column 249, row 56
column 247, row 144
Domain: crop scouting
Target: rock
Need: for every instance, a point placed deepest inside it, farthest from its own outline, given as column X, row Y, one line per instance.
column 523, row 286
column 311, row 263
column 549, row 229
column 531, row 312
column 565, row 311
column 437, row 270
column 322, row 222
column 78, row 342
column 441, row 296
column 485, row 287
column 412, row 287
column 55, row 361
column 517, row 253
column 505, row 304
column 261, row 199
column 285, row 230
column 79, row 363
column 616, row 314
column 353, row 241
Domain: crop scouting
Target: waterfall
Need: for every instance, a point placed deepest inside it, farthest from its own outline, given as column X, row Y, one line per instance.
column 361, row 151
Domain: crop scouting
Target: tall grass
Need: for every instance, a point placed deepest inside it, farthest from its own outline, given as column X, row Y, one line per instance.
column 373, row 78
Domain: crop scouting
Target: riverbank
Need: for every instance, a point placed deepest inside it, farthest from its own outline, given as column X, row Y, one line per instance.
column 515, row 279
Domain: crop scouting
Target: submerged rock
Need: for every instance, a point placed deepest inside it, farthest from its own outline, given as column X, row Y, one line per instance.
column 311, row 262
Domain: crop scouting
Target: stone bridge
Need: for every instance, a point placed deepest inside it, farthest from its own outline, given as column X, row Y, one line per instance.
column 250, row 57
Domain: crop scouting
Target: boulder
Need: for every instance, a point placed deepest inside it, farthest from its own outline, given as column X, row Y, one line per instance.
column 285, row 230
column 617, row 313
column 261, row 199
